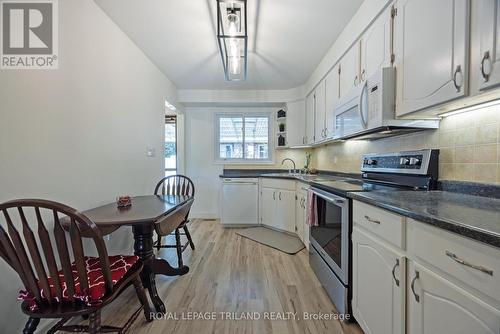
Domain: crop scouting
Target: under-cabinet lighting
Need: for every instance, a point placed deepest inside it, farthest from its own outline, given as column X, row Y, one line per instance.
column 471, row 108
column 301, row 146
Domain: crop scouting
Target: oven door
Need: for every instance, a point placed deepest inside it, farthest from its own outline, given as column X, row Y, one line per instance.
column 331, row 237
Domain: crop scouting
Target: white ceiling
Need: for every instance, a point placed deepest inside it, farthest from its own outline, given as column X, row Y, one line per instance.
column 287, row 38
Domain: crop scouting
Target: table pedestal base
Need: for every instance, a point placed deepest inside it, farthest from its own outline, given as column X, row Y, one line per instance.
column 143, row 248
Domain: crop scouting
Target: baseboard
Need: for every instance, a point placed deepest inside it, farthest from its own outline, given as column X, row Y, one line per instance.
column 239, row 225
column 203, row 215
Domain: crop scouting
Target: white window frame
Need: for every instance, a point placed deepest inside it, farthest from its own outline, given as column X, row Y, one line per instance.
column 270, row 130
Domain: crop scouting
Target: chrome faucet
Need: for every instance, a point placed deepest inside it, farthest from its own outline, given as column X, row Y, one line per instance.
column 293, row 162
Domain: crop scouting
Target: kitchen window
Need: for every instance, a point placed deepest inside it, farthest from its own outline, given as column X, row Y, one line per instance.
column 243, row 137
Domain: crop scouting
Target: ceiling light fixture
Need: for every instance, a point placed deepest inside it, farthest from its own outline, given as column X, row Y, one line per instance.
column 232, row 38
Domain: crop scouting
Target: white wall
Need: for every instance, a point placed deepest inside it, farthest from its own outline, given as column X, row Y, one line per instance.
column 79, row 134
column 193, row 97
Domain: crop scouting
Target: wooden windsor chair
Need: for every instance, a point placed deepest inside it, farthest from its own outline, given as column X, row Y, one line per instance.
column 176, row 185
column 78, row 285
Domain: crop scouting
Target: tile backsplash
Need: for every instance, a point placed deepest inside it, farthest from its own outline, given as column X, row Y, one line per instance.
column 469, row 144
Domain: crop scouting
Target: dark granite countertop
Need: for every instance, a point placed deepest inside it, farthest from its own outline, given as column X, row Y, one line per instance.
column 475, row 217
column 246, row 173
column 283, row 174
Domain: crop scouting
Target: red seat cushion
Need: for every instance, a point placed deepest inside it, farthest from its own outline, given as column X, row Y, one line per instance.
column 119, row 266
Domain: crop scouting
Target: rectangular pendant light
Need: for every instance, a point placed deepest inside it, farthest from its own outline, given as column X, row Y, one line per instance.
column 232, row 37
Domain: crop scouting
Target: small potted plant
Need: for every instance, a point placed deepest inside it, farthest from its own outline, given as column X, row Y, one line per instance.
column 307, row 163
column 281, row 127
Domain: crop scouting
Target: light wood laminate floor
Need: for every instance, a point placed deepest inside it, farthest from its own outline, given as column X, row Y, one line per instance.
column 229, row 273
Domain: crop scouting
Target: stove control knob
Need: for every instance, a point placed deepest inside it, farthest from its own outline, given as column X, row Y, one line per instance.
column 404, row 161
column 415, row 161
column 371, row 162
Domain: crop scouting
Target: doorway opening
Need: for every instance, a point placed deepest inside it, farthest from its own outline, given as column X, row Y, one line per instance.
column 170, row 145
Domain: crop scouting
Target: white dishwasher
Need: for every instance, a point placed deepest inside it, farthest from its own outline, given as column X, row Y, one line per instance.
column 240, row 201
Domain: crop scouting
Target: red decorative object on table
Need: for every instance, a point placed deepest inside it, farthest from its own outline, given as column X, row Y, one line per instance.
column 124, row 202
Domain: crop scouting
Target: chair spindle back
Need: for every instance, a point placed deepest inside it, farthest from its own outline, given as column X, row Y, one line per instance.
column 175, row 185
column 37, row 271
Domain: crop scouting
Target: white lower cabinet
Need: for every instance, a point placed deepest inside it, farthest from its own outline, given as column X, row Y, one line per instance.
column 283, row 206
column 435, row 269
column 378, row 280
column 437, row 306
column 267, row 206
column 277, row 209
column 285, row 210
column 300, row 214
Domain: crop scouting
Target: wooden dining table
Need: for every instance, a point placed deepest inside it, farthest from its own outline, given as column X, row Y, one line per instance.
column 144, row 215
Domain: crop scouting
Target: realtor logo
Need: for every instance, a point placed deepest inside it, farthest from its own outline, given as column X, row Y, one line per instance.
column 29, row 34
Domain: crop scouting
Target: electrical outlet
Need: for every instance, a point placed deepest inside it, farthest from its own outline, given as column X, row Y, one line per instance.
column 150, row 152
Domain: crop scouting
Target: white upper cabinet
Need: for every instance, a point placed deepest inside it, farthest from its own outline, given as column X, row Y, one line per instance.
column 488, row 23
column 319, row 112
column 310, row 122
column 431, row 47
column 349, row 70
column 332, row 96
column 295, row 123
column 376, row 46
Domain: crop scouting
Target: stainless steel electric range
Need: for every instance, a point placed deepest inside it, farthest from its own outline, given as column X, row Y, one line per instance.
column 330, row 251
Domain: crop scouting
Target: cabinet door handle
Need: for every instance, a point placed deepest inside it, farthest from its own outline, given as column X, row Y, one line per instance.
column 274, row 195
column 468, row 264
column 356, row 80
column 394, row 272
column 417, row 276
column 372, row 220
column 279, row 196
column 486, row 56
column 456, row 82
column 363, row 75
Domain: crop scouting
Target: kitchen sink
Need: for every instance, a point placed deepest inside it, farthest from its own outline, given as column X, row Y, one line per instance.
column 306, row 177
